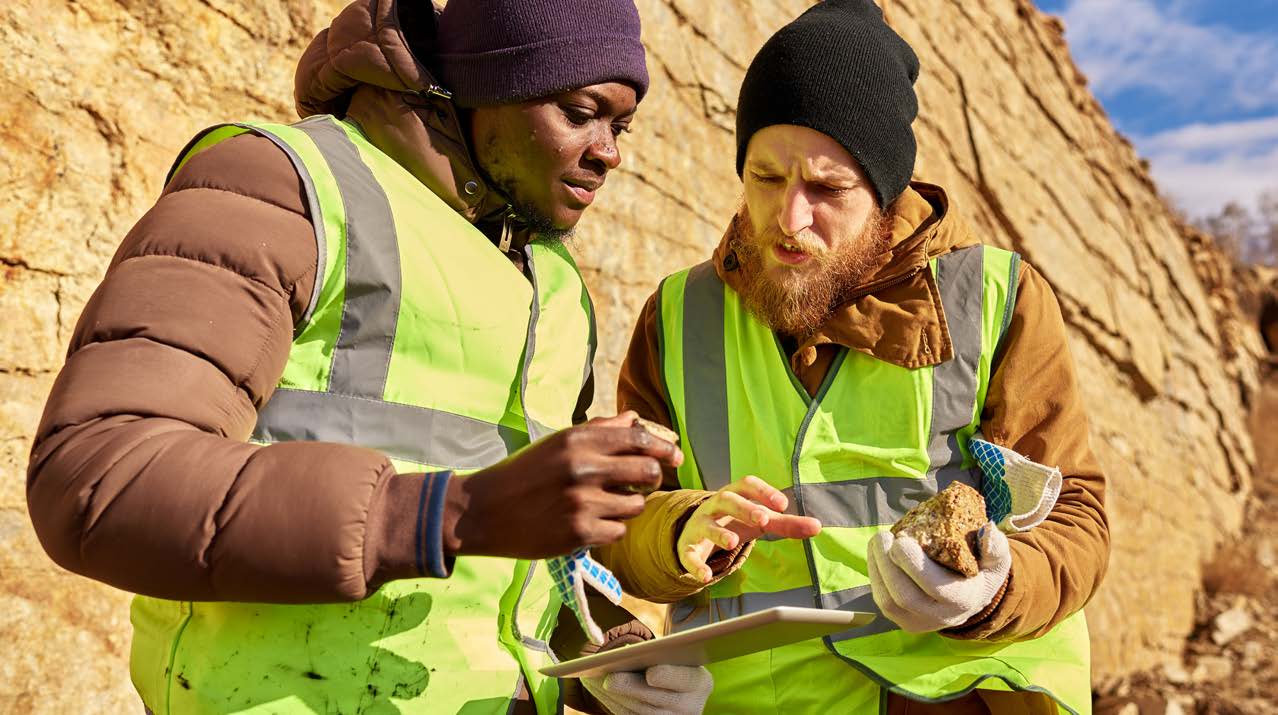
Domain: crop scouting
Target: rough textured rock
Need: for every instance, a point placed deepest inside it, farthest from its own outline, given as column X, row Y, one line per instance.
column 1230, row 624
column 658, row 431
column 99, row 94
column 946, row 526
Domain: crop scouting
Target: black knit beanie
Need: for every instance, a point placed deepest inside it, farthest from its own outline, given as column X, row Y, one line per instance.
column 839, row 69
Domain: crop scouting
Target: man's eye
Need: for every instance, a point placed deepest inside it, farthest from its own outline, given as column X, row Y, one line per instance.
column 829, row 190
column 765, row 178
column 578, row 116
column 619, row 129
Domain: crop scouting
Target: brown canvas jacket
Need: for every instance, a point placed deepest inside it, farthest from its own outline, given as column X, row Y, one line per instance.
column 1032, row 406
column 139, row 474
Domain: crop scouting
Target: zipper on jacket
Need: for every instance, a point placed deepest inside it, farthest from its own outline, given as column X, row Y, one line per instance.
column 507, row 233
column 435, row 90
column 875, row 287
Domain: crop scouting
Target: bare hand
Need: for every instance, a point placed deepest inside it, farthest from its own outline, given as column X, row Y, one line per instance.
column 571, row 489
column 740, row 512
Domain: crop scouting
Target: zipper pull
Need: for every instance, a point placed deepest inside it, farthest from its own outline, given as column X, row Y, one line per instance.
column 507, row 233
column 435, row 90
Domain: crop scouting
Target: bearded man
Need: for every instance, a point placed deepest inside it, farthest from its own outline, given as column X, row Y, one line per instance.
column 846, row 341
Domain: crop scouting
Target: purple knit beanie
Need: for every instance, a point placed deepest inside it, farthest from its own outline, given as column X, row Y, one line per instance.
column 507, row 51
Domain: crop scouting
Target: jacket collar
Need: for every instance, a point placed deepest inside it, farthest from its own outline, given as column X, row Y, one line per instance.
column 895, row 313
column 363, row 68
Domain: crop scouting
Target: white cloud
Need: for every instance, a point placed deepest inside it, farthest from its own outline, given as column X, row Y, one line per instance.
column 1204, row 71
column 1219, row 137
column 1126, row 45
column 1204, row 166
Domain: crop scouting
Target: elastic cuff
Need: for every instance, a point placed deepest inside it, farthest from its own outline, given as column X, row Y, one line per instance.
column 975, row 627
column 721, row 560
column 431, row 560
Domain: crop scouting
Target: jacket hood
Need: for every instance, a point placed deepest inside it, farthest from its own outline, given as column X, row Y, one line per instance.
column 366, row 44
column 367, row 66
column 895, row 314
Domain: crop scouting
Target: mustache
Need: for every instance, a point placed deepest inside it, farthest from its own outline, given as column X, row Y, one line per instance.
column 744, row 233
column 806, row 242
column 745, row 236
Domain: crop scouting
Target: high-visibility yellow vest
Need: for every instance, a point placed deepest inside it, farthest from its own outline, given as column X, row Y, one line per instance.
column 426, row 343
column 876, row 440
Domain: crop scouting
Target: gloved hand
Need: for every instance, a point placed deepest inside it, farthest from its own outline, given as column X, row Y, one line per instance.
column 662, row 689
column 920, row 595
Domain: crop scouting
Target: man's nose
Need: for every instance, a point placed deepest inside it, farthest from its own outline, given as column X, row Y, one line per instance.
column 796, row 211
column 603, row 149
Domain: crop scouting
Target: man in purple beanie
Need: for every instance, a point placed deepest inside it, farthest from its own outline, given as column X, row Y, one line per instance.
column 328, row 403
column 529, row 76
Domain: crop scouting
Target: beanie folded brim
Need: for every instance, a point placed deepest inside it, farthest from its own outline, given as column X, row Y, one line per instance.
column 554, row 66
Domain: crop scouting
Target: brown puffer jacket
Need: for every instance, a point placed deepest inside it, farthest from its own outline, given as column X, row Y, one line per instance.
column 140, row 475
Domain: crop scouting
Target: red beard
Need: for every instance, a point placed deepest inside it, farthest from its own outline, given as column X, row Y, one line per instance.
column 797, row 302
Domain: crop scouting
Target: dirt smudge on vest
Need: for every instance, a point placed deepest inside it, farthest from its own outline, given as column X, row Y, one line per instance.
column 391, row 675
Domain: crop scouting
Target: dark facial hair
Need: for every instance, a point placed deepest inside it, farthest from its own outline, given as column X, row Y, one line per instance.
column 542, row 226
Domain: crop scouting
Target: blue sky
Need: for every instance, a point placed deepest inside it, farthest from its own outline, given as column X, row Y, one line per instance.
column 1193, row 84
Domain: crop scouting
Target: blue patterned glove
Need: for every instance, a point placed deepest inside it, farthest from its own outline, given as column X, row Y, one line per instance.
column 998, row 497
column 571, row 574
column 1019, row 493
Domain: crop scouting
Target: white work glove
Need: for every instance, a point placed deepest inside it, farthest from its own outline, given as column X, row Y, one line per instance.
column 660, row 690
column 920, row 595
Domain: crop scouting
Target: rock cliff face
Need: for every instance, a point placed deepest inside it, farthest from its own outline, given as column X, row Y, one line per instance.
column 99, row 94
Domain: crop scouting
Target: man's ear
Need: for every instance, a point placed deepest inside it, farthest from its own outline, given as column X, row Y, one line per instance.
column 418, row 20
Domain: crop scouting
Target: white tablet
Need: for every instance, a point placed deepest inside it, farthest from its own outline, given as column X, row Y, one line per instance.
column 735, row 637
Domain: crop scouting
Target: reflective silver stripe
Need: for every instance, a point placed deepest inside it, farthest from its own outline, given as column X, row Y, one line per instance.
column 534, row 644
column 593, row 343
column 361, row 358
column 857, row 599
column 961, row 278
column 873, row 501
column 1013, row 284
column 688, row 614
column 535, row 430
column 417, row 434
column 705, row 378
